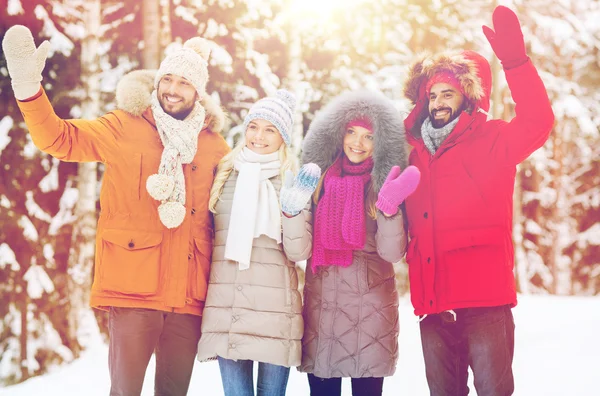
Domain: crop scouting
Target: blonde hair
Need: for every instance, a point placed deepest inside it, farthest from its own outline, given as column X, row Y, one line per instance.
column 370, row 196
column 225, row 167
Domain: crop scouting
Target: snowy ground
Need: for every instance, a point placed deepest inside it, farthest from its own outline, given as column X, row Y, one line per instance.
column 557, row 353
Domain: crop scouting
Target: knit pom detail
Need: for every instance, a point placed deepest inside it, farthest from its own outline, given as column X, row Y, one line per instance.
column 287, row 97
column 159, row 186
column 171, row 214
column 200, row 46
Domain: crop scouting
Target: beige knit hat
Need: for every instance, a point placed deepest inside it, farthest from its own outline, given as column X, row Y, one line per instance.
column 190, row 62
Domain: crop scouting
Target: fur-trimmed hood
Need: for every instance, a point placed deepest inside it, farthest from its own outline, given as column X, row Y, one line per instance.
column 323, row 141
column 471, row 69
column 134, row 92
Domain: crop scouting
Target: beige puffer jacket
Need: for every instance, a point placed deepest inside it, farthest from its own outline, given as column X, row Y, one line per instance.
column 256, row 314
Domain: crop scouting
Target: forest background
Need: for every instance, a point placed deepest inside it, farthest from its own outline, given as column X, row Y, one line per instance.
column 318, row 49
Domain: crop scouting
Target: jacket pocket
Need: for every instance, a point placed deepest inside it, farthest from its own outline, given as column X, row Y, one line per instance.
column 379, row 271
column 130, row 261
column 475, row 264
column 199, row 269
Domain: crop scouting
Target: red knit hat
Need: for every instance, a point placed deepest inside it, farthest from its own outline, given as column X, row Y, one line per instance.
column 444, row 77
column 360, row 122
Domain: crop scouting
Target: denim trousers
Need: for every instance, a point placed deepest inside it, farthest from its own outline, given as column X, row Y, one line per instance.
column 367, row 386
column 136, row 333
column 482, row 338
column 237, row 378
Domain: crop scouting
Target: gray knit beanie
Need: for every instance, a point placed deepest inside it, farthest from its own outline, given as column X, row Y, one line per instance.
column 278, row 110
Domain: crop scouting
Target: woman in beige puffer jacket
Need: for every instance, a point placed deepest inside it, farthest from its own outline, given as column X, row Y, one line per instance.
column 253, row 309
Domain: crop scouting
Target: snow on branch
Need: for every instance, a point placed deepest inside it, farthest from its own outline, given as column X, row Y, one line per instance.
column 65, row 213
column 29, row 230
column 38, row 281
column 7, row 257
column 50, row 181
column 34, row 210
column 591, row 236
column 6, row 124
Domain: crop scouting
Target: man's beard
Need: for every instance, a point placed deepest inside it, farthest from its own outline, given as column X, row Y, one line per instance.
column 178, row 115
column 453, row 115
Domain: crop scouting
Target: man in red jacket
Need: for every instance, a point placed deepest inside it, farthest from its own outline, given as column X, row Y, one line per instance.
column 460, row 255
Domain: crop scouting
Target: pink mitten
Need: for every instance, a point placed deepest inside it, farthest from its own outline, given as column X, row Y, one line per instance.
column 396, row 188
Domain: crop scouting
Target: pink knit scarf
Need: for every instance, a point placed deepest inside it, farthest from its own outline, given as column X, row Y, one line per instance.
column 340, row 219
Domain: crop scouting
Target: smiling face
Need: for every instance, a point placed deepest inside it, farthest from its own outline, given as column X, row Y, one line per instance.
column 358, row 144
column 262, row 137
column 445, row 104
column 176, row 95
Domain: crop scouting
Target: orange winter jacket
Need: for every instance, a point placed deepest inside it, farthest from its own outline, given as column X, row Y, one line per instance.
column 139, row 262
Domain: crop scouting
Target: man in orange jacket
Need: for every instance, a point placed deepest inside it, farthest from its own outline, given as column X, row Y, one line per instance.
column 154, row 238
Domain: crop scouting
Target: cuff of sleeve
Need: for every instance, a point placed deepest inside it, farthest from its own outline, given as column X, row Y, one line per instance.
column 27, row 104
column 511, row 64
column 25, row 92
column 386, row 207
column 293, row 227
column 34, row 97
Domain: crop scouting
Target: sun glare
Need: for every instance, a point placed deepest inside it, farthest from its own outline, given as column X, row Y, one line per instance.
column 320, row 8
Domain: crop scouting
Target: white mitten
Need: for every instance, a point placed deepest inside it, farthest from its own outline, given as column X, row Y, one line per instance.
column 25, row 62
column 296, row 192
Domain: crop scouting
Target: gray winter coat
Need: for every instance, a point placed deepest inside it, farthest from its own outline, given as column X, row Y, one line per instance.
column 351, row 313
column 256, row 314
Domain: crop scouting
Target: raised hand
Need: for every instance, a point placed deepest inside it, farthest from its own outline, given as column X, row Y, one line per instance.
column 396, row 188
column 296, row 192
column 507, row 38
column 25, row 62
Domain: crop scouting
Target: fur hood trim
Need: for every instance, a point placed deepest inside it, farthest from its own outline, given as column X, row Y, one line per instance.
column 134, row 92
column 323, row 141
column 472, row 71
column 466, row 69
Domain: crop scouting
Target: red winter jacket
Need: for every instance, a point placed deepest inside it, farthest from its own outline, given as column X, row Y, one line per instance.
column 460, row 217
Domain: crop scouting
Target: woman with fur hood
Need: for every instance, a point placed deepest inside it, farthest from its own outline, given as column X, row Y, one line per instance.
column 253, row 307
column 350, row 298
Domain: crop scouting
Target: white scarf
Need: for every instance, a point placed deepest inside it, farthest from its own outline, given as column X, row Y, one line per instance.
column 180, row 141
column 255, row 210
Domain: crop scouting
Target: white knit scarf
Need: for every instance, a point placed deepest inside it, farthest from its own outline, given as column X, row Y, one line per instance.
column 434, row 137
column 180, row 141
column 255, row 210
